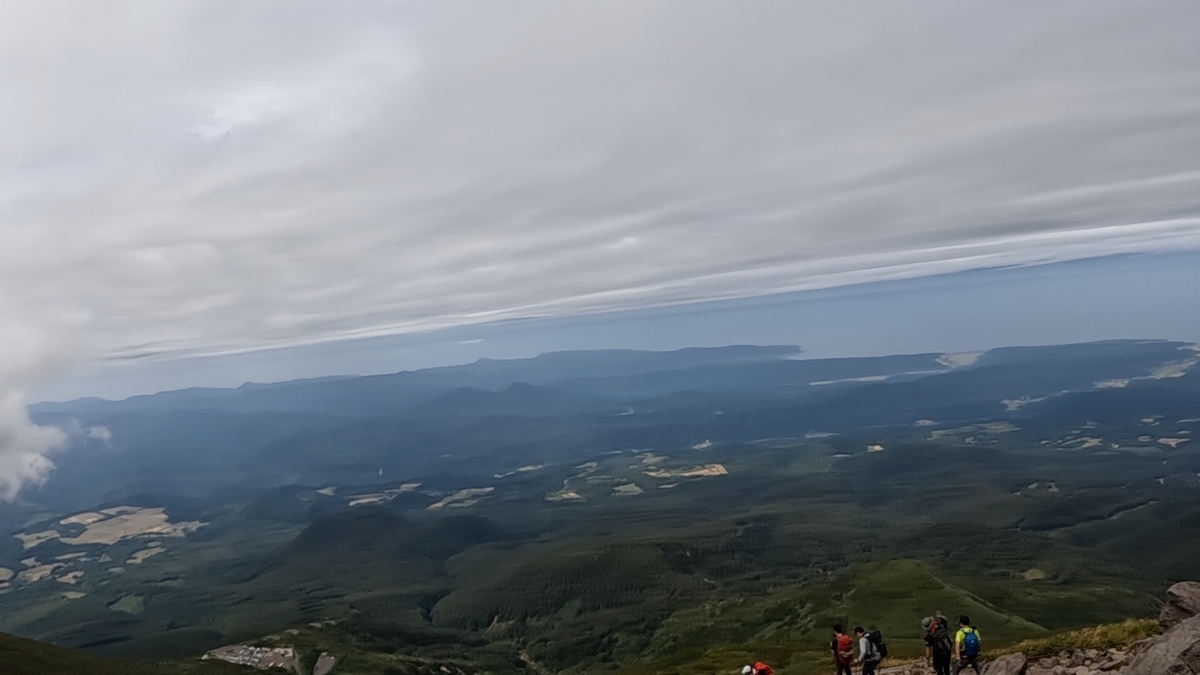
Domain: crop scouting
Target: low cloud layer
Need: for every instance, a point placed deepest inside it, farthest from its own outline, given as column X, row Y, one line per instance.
column 24, row 447
column 28, row 354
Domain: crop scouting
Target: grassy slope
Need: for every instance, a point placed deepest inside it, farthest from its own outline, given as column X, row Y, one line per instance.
column 19, row 656
column 1108, row 636
column 790, row 626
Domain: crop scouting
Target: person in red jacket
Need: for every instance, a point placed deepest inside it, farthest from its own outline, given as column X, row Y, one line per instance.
column 759, row 668
column 842, row 647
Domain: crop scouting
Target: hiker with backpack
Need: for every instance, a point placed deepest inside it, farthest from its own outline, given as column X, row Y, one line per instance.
column 871, row 649
column 843, row 651
column 759, row 668
column 966, row 646
column 938, row 645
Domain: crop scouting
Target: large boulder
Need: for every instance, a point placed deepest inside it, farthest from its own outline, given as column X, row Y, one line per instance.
column 1009, row 664
column 1175, row 652
column 1183, row 602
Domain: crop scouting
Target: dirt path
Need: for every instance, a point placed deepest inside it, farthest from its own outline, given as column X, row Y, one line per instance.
column 324, row 664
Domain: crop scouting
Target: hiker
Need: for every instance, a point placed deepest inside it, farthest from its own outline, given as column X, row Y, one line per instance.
column 843, row 651
column 966, row 646
column 759, row 668
column 868, row 652
column 938, row 646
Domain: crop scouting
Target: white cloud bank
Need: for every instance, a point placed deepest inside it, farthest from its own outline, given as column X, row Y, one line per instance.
column 24, row 447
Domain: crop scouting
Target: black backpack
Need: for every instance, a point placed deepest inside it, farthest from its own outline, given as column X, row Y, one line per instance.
column 876, row 639
column 941, row 641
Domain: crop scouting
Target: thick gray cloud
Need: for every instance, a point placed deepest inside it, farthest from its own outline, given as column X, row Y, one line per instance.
column 219, row 176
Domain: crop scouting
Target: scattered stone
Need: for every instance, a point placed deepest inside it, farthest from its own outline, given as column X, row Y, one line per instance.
column 1009, row 664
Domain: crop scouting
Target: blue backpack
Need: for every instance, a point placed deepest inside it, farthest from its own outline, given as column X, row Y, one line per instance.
column 971, row 643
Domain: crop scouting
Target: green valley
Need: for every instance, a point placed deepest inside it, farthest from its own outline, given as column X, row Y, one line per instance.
column 583, row 523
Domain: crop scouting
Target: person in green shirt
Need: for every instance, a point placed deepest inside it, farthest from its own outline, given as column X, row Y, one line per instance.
column 966, row 646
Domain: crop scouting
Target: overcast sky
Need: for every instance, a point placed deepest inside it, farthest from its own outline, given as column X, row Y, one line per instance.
column 184, row 178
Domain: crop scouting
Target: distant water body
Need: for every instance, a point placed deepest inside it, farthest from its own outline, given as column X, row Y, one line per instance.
column 1133, row 296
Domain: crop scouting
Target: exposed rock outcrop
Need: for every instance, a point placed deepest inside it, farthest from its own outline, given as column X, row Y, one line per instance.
column 1176, row 652
column 1183, row 602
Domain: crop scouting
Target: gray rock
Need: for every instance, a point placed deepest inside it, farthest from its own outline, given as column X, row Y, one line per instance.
column 1183, row 602
column 1175, row 652
column 1080, row 670
column 1009, row 664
